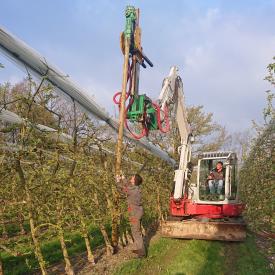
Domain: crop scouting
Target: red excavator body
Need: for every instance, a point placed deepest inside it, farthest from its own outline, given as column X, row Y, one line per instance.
column 204, row 211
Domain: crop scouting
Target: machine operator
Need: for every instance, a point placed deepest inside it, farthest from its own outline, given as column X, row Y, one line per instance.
column 216, row 179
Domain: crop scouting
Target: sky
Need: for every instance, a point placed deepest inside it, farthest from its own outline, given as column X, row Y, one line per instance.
column 222, row 48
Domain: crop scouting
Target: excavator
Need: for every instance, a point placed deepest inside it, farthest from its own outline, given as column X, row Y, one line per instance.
column 196, row 212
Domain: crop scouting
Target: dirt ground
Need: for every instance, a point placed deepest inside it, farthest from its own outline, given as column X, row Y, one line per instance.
column 107, row 264
column 104, row 264
column 266, row 243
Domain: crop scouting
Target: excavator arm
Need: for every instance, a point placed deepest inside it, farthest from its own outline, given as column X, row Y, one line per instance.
column 172, row 96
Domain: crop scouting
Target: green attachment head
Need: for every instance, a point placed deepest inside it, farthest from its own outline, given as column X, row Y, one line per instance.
column 137, row 110
column 130, row 14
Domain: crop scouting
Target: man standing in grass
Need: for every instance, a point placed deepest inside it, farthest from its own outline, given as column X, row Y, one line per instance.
column 132, row 190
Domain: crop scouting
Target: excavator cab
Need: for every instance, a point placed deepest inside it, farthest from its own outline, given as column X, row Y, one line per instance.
column 211, row 190
column 201, row 214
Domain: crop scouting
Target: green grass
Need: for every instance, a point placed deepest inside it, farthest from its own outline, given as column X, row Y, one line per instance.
column 51, row 251
column 14, row 229
column 198, row 257
column 172, row 256
column 195, row 257
column 250, row 260
column 165, row 256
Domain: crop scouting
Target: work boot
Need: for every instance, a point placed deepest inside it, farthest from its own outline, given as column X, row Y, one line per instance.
column 139, row 252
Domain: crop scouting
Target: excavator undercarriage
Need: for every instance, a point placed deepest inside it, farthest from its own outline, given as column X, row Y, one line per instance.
column 204, row 230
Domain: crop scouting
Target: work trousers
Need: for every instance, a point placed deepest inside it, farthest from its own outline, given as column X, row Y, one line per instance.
column 137, row 235
column 215, row 185
column 135, row 215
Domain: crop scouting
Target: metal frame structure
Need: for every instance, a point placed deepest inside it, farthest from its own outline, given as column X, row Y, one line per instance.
column 217, row 156
column 12, row 118
column 24, row 55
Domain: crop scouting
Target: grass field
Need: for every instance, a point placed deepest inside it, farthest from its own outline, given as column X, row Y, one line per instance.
column 165, row 256
column 51, row 251
column 196, row 257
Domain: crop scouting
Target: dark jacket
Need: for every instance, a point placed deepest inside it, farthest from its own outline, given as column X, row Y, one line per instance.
column 218, row 175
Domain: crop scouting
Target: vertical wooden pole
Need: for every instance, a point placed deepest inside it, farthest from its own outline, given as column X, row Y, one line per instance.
column 116, row 213
column 122, row 108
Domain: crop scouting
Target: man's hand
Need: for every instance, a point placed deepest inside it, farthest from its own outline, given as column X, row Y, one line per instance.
column 210, row 177
column 119, row 178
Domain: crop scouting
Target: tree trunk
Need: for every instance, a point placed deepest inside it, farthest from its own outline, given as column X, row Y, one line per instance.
column 90, row 255
column 109, row 248
column 121, row 243
column 68, row 266
column 113, row 206
column 129, row 237
column 4, row 229
column 158, row 205
column 115, row 219
column 21, row 222
column 1, row 267
column 37, row 248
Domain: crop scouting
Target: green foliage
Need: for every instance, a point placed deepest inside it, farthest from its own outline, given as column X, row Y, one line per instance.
column 257, row 181
column 52, row 187
column 209, row 135
column 257, row 187
column 14, row 229
column 269, row 111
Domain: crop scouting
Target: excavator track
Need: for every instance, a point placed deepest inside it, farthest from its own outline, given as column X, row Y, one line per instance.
column 210, row 230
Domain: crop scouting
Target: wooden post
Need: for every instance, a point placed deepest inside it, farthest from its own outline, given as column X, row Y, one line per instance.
column 116, row 213
column 122, row 108
column 131, row 16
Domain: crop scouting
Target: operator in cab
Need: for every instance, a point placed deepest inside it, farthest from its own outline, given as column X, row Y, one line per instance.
column 132, row 190
column 216, row 179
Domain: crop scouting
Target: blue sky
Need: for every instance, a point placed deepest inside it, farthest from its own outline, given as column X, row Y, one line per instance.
column 222, row 48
